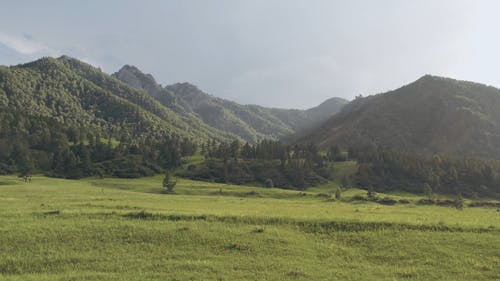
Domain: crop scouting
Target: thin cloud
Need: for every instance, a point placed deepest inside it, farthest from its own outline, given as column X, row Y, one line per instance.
column 24, row 45
column 25, row 48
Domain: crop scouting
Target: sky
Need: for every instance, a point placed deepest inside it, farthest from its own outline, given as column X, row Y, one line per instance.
column 286, row 53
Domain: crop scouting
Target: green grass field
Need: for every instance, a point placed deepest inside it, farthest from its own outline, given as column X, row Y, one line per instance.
column 121, row 229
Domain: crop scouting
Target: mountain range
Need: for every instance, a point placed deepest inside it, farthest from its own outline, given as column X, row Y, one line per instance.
column 249, row 122
column 431, row 115
column 129, row 101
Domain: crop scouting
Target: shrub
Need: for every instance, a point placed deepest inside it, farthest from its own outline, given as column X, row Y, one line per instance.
column 426, row 201
column 446, row 202
column 324, row 195
column 387, row 201
column 269, row 183
column 258, row 230
column 484, row 204
column 338, row 193
column 459, row 202
column 358, row 198
column 404, row 201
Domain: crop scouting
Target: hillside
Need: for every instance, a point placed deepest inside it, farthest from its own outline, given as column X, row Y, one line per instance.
column 249, row 122
column 66, row 118
column 432, row 114
column 76, row 94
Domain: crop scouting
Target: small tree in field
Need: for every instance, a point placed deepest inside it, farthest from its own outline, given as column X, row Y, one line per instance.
column 338, row 193
column 168, row 183
column 459, row 202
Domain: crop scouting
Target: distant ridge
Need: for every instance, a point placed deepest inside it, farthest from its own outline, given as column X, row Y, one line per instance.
column 249, row 122
column 433, row 115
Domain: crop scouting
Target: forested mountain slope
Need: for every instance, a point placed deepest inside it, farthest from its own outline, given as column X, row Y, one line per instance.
column 249, row 122
column 55, row 112
column 431, row 115
column 77, row 94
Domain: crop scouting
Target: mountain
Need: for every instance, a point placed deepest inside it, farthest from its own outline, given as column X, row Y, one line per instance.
column 75, row 93
column 249, row 122
column 63, row 117
column 66, row 118
column 431, row 115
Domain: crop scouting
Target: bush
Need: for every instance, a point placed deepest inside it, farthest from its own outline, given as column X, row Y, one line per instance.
column 484, row 204
column 404, row 201
column 324, row 195
column 459, row 202
column 445, row 202
column 338, row 193
column 358, row 198
column 387, row 201
column 426, row 201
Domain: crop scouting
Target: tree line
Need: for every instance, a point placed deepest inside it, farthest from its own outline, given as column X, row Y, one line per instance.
column 268, row 162
column 31, row 145
column 387, row 170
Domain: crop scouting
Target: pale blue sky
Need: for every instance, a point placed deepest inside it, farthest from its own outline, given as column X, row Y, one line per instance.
column 275, row 53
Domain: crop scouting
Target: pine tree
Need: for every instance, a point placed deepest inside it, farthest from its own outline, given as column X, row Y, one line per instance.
column 338, row 193
column 168, row 183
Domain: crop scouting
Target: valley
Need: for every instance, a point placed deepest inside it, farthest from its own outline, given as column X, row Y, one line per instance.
column 114, row 177
column 115, row 229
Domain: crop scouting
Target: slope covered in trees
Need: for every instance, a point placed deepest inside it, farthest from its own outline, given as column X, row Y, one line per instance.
column 388, row 170
column 66, row 118
column 431, row 115
column 61, row 116
column 268, row 163
column 249, row 122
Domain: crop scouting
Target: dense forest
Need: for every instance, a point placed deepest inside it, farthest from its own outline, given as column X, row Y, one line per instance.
column 267, row 163
column 388, row 170
column 67, row 119
column 30, row 145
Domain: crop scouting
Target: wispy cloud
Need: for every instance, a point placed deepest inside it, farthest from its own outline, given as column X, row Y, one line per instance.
column 24, row 45
column 22, row 48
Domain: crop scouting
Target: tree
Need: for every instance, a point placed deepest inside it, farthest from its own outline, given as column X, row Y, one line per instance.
column 338, row 193
column 26, row 169
column 25, row 175
column 459, row 202
column 427, row 189
column 168, row 183
column 234, row 149
column 269, row 183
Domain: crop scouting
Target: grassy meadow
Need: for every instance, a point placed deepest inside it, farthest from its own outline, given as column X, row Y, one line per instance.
column 125, row 229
